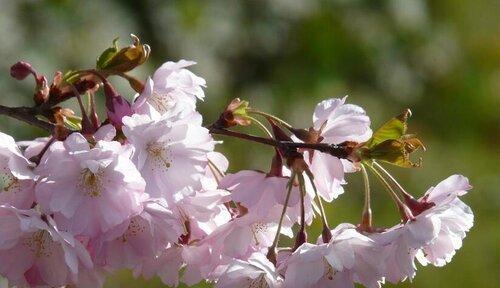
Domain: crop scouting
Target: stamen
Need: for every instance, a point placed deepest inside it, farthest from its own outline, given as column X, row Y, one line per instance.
column 256, row 228
column 159, row 154
column 9, row 183
column 135, row 227
column 162, row 103
column 259, row 282
column 329, row 270
column 40, row 244
column 91, row 183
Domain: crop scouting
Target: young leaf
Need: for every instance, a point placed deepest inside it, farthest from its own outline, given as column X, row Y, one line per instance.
column 392, row 129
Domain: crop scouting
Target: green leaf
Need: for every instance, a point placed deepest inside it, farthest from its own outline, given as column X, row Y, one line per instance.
column 391, row 144
column 392, row 129
column 107, row 55
column 396, row 152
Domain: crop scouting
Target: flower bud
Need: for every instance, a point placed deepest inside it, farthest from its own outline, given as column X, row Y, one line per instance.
column 21, row 70
column 235, row 114
column 42, row 92
column 117, row 61
column 117, row 106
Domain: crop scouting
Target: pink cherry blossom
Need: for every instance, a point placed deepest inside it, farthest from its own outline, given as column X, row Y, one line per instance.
column 141, row 237
column 33, row 147
column 16, row 177
column 440, row 223
column 256, row 271
column 171, row 92
column 258, row 191
column 33, row 252
column 90, row 190
column 246, row 234
column 201, row 211
column 455, row 216
column 328, row 174
column 166, row 266
column 348, row 258
column 169, row 157
column 339, row 122
column 214, row 172
column 336, row 122
column 402, row 243
column 197, row 260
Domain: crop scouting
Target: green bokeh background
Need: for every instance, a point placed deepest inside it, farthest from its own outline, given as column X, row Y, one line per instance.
column 439, row 58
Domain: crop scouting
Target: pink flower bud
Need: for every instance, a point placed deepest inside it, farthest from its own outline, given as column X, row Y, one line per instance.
column 117, row 106
column 21, row 70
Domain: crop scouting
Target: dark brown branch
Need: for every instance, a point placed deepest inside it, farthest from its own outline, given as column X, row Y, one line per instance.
column 26, row 114
column 332, row 149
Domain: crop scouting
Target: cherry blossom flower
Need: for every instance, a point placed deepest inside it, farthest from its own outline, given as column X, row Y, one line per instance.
column 256, row 271
column 436, row 231
column 33, row 147
column 201, row 211
column 402, row 242
column 17, row 183
column 455, row 216
column 197, row 260
column 170, row 157
column 166, row 266
column 246, row 234
column 348, row 258
column 214, row 172
column 141, row 237
column 33, row 252
column 90, row 190
column 335, row 122
column 257, row 191
column 339, row 122
column 171, row 92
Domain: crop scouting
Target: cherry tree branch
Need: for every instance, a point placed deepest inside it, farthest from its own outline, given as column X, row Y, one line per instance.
column 332, row 149
column 27, row 115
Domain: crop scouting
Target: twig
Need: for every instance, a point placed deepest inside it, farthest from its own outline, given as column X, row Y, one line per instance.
column 26, row 114
column 332, row 149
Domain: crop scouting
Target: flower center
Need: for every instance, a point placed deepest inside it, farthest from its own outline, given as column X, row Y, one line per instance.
column 91, row 183
column 136, row 227
column 159, row 155
column 259, row 282
column 40, row 244
column 162, row 103
column 9, row 183
column 329, row 270
column 258, row 227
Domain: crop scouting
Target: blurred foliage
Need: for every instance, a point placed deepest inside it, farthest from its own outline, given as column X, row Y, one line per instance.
column 439, row 58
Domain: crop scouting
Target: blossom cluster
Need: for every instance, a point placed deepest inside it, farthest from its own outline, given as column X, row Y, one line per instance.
column 146, row 191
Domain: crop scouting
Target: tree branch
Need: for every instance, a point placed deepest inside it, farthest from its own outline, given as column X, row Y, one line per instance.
column 332, row 149
column 27, row 115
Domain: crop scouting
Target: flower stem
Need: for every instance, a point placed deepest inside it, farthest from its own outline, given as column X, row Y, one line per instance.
column 218, row 175
column 271, row 254
column 87, row 126
column 392, row 179
column 326, row 234
column 279, row 120
column 37, row 158
column 366, row 216
column 404, row 211
column 301, row 235
column 261, row 126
